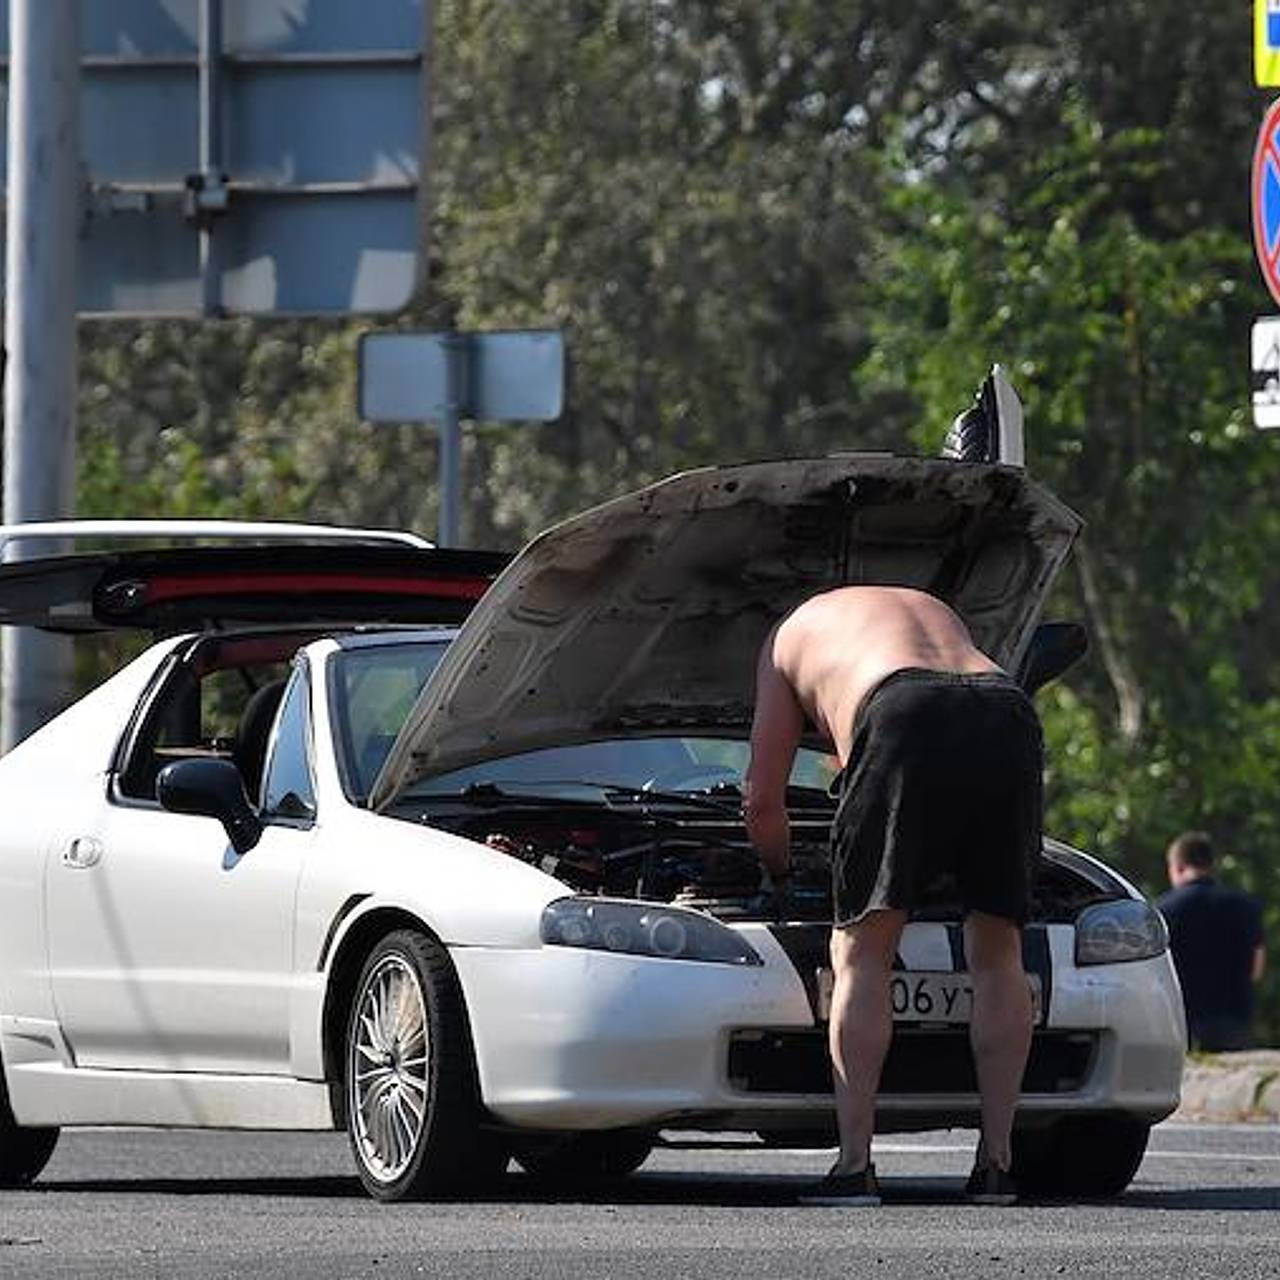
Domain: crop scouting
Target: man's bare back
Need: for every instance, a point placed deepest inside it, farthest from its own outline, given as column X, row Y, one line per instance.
column 818, row 664
column 836, row 647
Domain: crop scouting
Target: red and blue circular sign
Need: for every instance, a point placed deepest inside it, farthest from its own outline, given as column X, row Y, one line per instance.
column 1266, row 199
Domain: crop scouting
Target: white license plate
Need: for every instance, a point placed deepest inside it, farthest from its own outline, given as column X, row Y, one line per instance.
column 928, row 997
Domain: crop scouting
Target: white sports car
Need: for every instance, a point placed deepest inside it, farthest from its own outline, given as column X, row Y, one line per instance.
column 320, row 858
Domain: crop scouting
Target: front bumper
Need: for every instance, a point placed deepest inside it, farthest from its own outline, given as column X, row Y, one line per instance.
column 576, row 1039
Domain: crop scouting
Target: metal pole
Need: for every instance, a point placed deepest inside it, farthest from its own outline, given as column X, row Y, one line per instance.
column 456, row 361
column 40, row 333
column 211, row 196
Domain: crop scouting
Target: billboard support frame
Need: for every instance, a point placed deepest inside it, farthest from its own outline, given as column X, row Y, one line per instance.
column 40, row 326
column 207, row 189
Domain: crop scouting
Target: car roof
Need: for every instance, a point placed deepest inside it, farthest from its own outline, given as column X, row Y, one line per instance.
column 369, row 638
column 253, row 646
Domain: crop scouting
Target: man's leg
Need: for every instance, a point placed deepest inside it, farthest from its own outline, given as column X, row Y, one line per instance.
column 862, row 957
column 1000, row 1031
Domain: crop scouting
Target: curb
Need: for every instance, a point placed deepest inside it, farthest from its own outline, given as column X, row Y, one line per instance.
column 1231, row 1087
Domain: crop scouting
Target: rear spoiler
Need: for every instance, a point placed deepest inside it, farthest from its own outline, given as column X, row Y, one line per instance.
column 195, row 575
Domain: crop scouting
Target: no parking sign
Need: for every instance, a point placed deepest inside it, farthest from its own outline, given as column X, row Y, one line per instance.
column 1266, row 199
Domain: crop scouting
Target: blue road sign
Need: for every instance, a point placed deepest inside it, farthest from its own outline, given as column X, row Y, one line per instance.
column 250, row 156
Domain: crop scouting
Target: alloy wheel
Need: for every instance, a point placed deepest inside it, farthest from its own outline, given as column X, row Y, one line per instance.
column 388, row 1068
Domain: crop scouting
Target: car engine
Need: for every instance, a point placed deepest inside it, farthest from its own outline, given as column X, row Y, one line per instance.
column 695, row 853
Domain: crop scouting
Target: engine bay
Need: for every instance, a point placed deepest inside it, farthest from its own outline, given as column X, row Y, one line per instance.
column 693, row 851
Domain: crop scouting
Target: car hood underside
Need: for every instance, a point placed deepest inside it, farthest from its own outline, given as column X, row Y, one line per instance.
column 645, row 615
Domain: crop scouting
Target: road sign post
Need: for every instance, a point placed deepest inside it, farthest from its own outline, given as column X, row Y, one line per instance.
column 499, row 376
column 456, row 349
column 40, row 338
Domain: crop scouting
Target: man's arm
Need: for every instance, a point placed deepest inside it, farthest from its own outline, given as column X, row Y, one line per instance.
column 1259, row 939
column 775, row 734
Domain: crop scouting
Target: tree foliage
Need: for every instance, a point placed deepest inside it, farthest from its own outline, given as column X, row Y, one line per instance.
column 1122, row 346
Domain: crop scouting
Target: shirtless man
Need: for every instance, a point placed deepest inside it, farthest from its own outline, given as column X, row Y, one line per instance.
column 941, row 755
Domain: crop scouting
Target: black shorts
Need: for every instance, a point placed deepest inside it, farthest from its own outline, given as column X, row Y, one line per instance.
column 944, row 779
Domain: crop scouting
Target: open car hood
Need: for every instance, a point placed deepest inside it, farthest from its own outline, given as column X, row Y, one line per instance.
column 195, row 588
column 645, row 615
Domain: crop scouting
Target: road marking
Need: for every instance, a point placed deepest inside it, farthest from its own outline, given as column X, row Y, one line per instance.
column 925, row 1148
column 1212, row 1155
column 1209, row 1126
column 917, row 1148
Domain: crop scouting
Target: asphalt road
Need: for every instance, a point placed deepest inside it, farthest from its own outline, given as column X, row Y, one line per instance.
column 141, row 1204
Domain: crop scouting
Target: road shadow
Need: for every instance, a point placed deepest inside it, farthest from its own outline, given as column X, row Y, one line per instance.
column 510, row 1188
column 1180, row 1199
column 708, row 1190
column 321, row 1188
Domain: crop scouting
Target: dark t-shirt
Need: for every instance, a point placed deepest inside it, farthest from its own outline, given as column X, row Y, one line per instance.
column 1213, row 933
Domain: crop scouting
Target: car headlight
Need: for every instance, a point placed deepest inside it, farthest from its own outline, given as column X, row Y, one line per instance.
column 1111, row 932
column 643, row 929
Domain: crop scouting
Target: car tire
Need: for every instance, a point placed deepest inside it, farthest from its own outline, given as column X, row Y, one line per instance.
column 577, row 1158
column 23, row 1152
column 1085, row 1157
column 412, row 1106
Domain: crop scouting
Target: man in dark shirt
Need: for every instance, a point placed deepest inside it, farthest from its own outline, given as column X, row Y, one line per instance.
column 1215, row 934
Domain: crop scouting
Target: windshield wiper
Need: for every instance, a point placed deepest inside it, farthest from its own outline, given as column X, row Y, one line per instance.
column 482, row 793
column 722, row 799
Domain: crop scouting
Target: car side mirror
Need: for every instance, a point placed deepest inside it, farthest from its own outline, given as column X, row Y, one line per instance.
column 1054, row 647
column 211, row 789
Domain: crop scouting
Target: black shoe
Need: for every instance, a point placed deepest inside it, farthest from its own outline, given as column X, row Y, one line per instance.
column 989, row 1185
column 858, row 1188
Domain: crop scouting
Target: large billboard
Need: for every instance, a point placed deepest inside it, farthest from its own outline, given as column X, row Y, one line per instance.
column 250, row 156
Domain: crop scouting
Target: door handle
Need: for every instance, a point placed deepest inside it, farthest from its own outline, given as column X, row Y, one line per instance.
column 83, row 851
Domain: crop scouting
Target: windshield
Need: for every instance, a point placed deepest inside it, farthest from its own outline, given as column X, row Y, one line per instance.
column 373, row 689
column 666, row 764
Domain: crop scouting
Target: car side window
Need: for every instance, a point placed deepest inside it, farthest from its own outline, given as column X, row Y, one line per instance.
column 193, row 714
column 288, row 792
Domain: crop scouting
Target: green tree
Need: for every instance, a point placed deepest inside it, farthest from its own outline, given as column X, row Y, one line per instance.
column 246, row 418
column 1130, row 352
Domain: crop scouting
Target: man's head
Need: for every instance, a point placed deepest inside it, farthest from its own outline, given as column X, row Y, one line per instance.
column 1190, row 857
